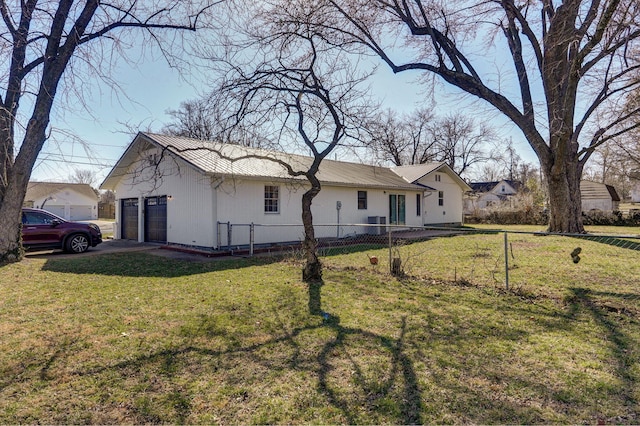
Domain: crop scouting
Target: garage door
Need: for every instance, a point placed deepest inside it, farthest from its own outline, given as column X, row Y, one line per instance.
column 80, row 212
column 129, row 219
column 155, row 219
column 57, row 210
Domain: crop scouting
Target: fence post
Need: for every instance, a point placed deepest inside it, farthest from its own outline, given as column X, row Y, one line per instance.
column 218, row 236
column 506, row 260
column 251, row 230
column 229, row 235
column 390, row 252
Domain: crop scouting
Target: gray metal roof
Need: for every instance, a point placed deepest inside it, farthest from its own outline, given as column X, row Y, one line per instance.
column 37, row 190
column 414, row 173
column 238, row 161
column 595, row 190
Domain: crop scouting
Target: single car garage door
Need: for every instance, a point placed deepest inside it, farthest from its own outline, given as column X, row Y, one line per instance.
column 129, row 214
column 155, row 219
column 80, row 212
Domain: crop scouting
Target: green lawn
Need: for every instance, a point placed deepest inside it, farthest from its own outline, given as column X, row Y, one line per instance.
column 136, row 338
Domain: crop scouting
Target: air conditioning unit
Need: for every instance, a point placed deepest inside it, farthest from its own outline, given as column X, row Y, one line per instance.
column 377, row 220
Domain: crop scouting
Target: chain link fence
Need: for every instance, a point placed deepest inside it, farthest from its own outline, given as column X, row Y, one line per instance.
column 484, row 257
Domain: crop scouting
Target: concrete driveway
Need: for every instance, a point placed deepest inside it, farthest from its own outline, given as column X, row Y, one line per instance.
column 123, row 246
column 106, row 226
column 107, row 246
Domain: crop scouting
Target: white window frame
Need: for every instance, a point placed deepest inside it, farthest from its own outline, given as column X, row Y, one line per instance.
column 271, row 203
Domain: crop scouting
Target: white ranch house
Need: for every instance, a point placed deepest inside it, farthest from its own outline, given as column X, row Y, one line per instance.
column 71, row 201
column 184, row 191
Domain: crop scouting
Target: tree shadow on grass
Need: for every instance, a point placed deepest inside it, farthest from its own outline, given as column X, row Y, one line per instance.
column 612, row 241
column 585, row 300
column 141, row 264
column 158, row 384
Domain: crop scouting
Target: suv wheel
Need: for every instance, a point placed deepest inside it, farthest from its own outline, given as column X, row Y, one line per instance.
column 77, row 243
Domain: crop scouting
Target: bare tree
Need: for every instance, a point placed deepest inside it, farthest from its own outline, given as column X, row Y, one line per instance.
column 401, row 139
column 572, row 65
column 421, row 136
column 46, row 45
column 460, row 142
column 83, row 176
column 192, row 119
column 295, row 89
column 201, row 119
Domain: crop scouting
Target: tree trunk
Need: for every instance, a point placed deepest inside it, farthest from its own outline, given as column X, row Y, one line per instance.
column 565, row 202
column 11, row 220
column 312, row 270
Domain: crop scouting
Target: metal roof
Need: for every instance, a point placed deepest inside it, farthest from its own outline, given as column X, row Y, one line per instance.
column 414, row 173
column 594, row 190
column 238, row 161
column 37, row 190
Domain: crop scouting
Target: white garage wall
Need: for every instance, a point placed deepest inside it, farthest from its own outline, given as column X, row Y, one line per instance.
column 190, row 215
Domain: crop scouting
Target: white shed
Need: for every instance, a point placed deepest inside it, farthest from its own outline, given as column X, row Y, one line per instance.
column 180, row 190
column 598, row 196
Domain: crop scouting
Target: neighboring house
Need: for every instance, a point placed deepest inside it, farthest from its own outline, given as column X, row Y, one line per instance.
column 186, row 191
column 489, row 194
column 598, row 196
column 71, row 201
column 635, row 186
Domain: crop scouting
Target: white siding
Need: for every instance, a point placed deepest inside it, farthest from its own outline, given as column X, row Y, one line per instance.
column 635, row 192
column 596, row 196
column 503, row 188
column 190, row 215
column 242, row 203
column 69, row 205
column 451, row 210
column 199, row 208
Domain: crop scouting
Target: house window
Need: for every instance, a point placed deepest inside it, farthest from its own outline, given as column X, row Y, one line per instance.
column 441, row 198
column 271, row 199
column 437, row 178
column 503, row 188
column 362, row 200
column 418, row 205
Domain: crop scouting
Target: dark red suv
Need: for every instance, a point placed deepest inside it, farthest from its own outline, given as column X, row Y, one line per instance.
column 44, row 230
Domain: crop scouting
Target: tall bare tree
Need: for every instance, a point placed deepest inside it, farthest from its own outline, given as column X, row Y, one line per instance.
column 201, row 119
column 47, row 46
column 421, row 136
column 560, row 71
column 87, row 176
column 401, row 139
column 461, row 142
column 295, row 89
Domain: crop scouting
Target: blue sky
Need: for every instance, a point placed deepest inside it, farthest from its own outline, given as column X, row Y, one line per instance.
column 147, row 91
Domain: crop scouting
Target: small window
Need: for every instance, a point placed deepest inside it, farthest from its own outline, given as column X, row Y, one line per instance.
column 271, row 199
column 503, row 188
column 362, row 200
column 437, row 177
column 441, row 198
column 418, row 205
